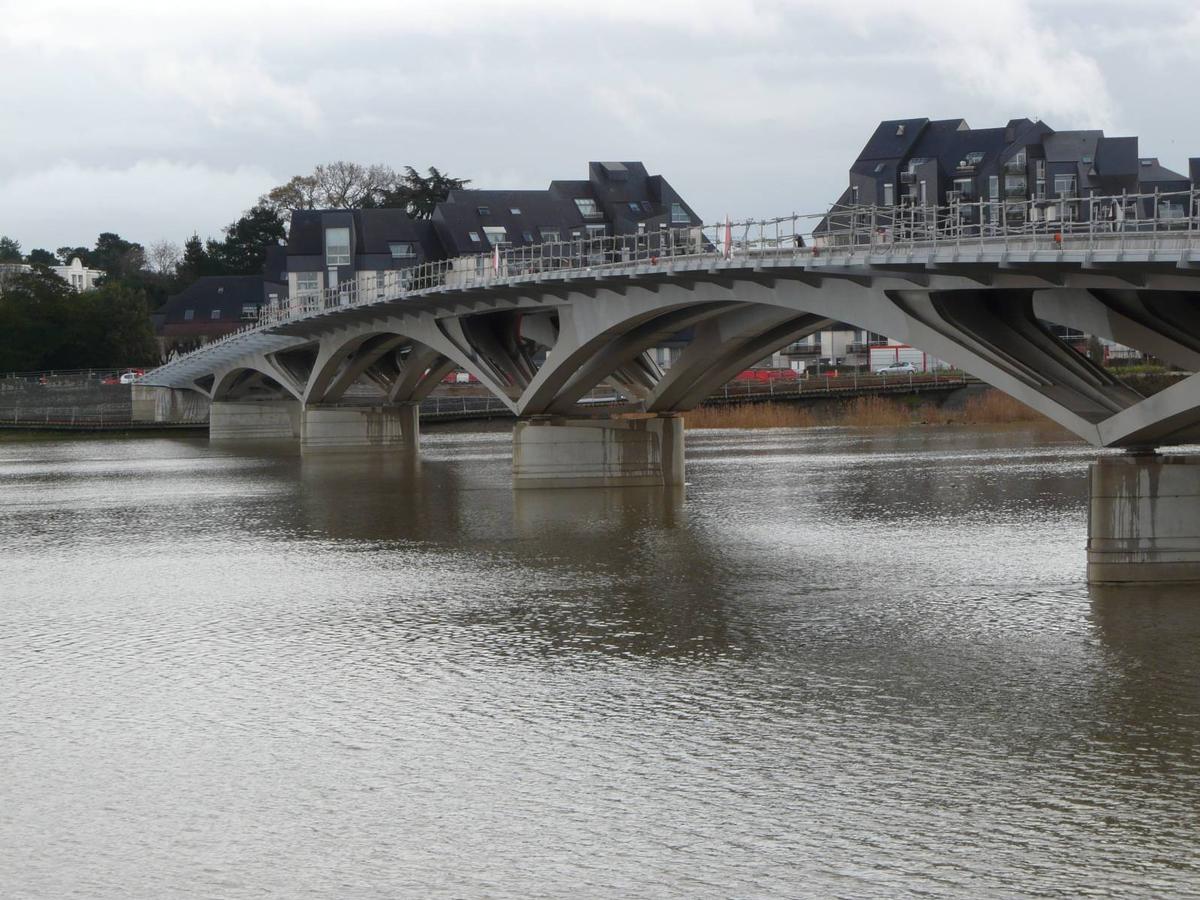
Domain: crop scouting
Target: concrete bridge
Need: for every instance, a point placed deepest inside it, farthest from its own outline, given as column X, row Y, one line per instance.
column 541, row 326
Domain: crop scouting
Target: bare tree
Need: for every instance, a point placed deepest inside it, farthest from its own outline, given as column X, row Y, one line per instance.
column 335, row 185
column 347, row 185
column 300, row 192
column 164, row 257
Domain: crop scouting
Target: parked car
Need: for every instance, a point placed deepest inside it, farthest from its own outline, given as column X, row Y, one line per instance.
column 897, row 368
column 128, row 377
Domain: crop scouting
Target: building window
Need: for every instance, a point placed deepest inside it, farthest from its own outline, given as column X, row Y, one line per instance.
column 496, row 234
column 216, row 314
column 974, row 158
column 337, row 246
column 515, row 210
column 635, row 207
column 587, row 207
column 879, row 167
column 474, row 236
column 308, row 282
column 924, row 197
column 528, row 236
column 889, row 195
column 679, row 215
column 549, row 235
column 188, row 315
column 250, row 310
column 1064, row 185
column 484, row 210
column 403, row 250
column 595, row 231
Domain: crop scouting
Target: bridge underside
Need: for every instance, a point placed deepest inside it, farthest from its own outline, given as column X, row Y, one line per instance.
column 547, row 349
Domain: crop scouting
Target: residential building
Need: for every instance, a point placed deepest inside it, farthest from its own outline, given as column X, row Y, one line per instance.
column 1022, row 173
column 215, row 305
column 77, row 275
column 345, row 248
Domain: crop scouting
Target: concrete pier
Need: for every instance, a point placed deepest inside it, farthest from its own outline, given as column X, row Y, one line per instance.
column 556, row 452
column 1144, row 520
column 341, row 428
column 165, row 405
column 254, row 420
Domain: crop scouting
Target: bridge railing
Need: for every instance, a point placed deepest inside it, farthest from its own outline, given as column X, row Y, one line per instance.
column 1064, row 221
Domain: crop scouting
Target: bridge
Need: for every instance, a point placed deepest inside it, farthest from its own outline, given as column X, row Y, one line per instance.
column 541, row 326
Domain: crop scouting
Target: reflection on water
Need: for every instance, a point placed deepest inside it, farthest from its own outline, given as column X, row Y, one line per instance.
column 845, row 663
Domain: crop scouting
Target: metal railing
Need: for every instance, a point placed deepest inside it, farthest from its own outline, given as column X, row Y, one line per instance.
column 1159, row 220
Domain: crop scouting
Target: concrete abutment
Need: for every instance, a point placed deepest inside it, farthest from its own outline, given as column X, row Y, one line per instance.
column 556, row 452
column 1144, row 520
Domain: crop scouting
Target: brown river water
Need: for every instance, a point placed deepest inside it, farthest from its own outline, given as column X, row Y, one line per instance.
column 845, row 664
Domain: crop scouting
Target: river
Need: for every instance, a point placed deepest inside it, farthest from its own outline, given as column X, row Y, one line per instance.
column 845, row 664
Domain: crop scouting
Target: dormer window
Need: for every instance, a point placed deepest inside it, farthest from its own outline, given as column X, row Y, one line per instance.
column 402, row 250
column 496, row 234
column 679, row 215
column 514, row 210
column 587, row 207
column 899, row 131
column 474, row 236
column 484, row 210
column 337, row 246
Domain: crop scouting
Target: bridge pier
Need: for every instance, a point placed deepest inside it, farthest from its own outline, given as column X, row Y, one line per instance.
column 557, row 452
column 1144, row 519
column 151, row 403
column 340, row 428
column 254, row 420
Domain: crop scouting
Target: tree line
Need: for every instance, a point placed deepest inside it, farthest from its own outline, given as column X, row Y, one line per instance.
column 46, row 325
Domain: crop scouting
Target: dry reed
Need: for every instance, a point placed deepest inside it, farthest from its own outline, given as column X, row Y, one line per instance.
column 991, row 407
column 751, row 415
column 874, row 412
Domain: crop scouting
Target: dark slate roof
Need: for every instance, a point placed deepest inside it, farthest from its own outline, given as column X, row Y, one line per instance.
column 225, row 293
column 887, row 143
column 1070, row 146
column 275, row 264
column 1151, row 171
column 614, row 186
column 372, row 230
column 1117, row 156
column 459, row 214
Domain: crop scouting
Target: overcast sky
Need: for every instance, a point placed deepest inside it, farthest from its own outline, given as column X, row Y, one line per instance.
column 157, row 119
